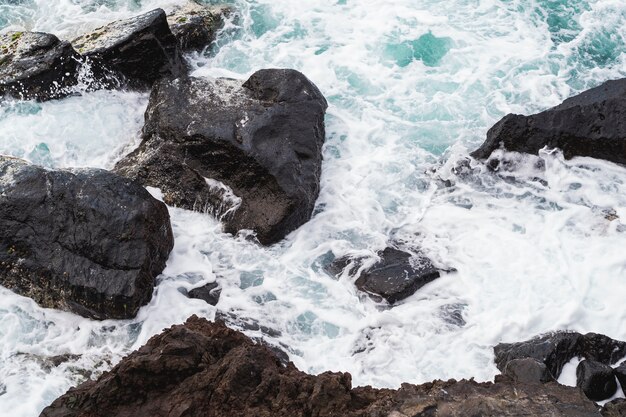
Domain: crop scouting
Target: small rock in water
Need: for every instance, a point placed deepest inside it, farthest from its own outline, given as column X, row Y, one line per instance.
column 195, row 25
column 209, row 293
column 528, row 371
column 396, row 276
column 597, row 380
column 36, row 65
column 141, row 49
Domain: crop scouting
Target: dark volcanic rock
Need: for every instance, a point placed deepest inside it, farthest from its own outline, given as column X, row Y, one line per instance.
column 195, row 25
column 250, row 154
column 88, row 241
column 589, row 124
column 620, row 374
column 556, row 349
column 141, row 50
column 528, row 370
column 205, row 369
column 209, row 293
column 596, row 380
column 553, row 349
column 396, row 276
column 601, row 348
column 36, row 66
column 615, row 408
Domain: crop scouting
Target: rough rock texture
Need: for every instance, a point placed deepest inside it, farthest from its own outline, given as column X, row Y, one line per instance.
column 553, row 349
column 615, row 408
column 36, row 66
column 141, row 50
column 556, row 349
column 589, row 124
column 528, row 370
column 396, row 276
column 209, row 293
column 596, row 380
column 620, row 373
column 249, row 154
column 205, row 369
column 87, row 241
column 195, row 25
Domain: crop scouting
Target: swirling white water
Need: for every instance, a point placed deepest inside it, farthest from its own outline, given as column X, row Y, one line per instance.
column 413, row 86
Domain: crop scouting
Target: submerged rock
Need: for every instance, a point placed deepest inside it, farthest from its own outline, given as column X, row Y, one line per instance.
column 141, row 49
column 84, row 240
column 558, row 348
column 36, row 66
column 248, row 153
column 207, row 369
column 589, row 124
column 396, row 276
column 596, row 380
column 195, row 25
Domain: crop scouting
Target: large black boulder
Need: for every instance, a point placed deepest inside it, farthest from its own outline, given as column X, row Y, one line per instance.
column 249, row 153
column 139, row 50
column 396, row 276
column 36, row 65
column 84, row 240
column 596, row 379
column 589, row 124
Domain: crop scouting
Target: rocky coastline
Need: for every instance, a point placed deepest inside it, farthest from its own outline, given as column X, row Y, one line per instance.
column 249, row 153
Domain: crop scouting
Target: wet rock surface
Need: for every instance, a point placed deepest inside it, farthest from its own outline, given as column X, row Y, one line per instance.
column 396, row 276
column 556, row 349
column 206, row 369
column 195, row 25
column 528, row 370
column 139, row 50
column 36, row 65
column 209, row 293
column 249, row 153
column 86, row 241
column 589, row 124
column 596, row 380
column 620, row 374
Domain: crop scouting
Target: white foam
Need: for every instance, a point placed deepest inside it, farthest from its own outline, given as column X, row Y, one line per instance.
column 540, row 251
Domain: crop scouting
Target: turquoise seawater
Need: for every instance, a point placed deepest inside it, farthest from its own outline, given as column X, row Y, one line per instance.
column 413, row 86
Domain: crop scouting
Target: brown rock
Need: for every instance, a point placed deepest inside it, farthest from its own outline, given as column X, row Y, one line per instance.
column 206, row 369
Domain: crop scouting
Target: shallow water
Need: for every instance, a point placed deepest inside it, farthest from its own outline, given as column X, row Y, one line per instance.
column 412, row 88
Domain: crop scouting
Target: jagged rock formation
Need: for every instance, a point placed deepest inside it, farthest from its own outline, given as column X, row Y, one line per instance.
column 206, row 369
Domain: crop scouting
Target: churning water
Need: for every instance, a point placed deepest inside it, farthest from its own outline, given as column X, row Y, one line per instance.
column 413, row 86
